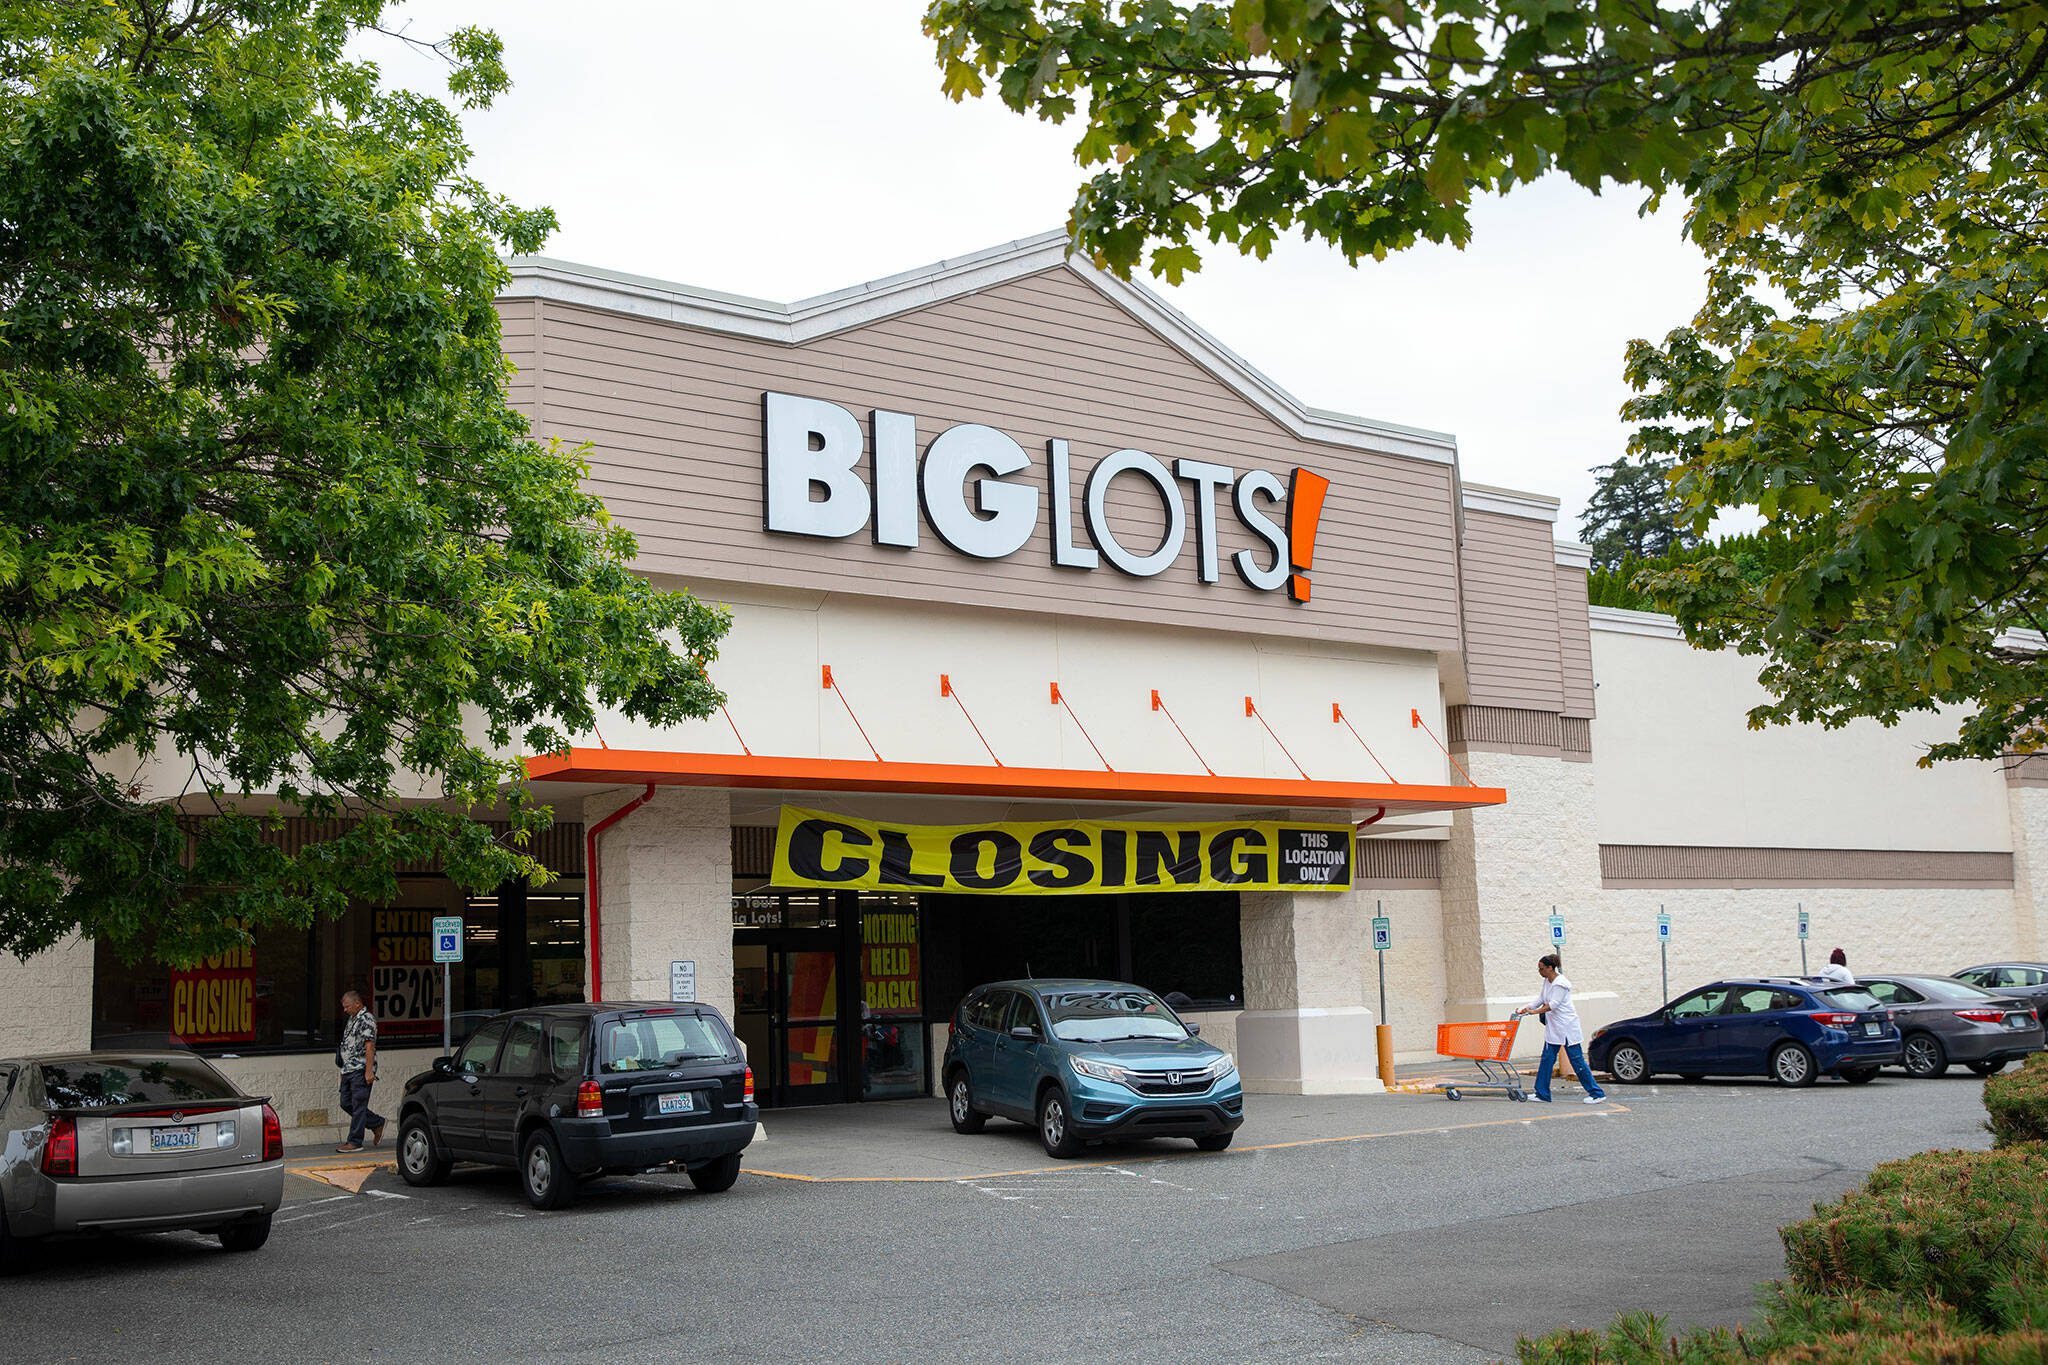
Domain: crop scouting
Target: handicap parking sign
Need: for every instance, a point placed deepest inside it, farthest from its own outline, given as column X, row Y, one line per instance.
column 1382, row 933
column 1557, row 931
column 447, row 938
column 1664, row 928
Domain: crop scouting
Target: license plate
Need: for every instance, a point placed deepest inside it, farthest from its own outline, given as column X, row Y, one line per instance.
column 2018, row 1020
column 1873, row 1029
column 684, row 1103
column 174, row 1139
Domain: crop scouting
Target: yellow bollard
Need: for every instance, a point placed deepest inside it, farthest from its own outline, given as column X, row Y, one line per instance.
column 1385, row 1034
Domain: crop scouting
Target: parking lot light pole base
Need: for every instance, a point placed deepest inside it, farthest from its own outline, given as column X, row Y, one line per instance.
column 1384, row 1035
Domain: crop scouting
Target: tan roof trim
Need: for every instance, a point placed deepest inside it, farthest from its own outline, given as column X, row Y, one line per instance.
column 1509, row 502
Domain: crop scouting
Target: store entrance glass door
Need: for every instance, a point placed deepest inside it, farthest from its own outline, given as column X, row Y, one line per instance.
column 786, row 1010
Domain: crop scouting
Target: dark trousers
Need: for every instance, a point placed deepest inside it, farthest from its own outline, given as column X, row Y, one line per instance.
column 355, row 1102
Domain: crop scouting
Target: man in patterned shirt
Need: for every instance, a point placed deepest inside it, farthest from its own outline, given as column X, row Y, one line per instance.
column 358, row 1054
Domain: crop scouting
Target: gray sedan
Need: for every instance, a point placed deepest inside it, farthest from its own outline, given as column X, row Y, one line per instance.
column 1944, row 1020
column 133, row 1142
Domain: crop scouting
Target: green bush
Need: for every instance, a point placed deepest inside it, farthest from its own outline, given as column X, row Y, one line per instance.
column 2018, row 1103
column 1920, row 1348
column 1790, row 1318
column 1968, row 1229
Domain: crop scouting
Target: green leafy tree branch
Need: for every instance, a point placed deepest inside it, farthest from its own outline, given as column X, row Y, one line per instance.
column 269, row 523
column 1865, row 178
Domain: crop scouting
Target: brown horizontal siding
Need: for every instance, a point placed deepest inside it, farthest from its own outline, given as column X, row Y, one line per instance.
column 1398, row 864
column 673, row 416
column 1575, row 641
column 1647, row 866
column 1511, row 636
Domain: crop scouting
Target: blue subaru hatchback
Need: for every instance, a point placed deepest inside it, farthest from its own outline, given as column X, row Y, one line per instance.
column 1792, row 1029
column 1087, row 1060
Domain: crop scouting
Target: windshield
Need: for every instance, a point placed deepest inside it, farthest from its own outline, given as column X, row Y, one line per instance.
column 647, row 1042
column 96, row 1082
column 1851, row 998
column 1105, row 1016
column 1945, row 988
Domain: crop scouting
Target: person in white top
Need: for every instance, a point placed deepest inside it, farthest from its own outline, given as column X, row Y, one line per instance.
column 1560, row 1031
column 1837, row 971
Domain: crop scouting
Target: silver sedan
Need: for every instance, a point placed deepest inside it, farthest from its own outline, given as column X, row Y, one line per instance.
column 133, row 1142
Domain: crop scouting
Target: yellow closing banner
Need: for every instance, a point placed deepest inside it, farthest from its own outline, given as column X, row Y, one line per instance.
column 1060, row 857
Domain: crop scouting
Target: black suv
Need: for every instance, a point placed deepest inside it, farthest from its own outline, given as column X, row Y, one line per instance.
column 566, row 1092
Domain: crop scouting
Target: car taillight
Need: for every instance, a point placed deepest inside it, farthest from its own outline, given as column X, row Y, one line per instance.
column 273, row 1135
column 1982, row 1016
column 748, row 1093
column 589, row 1101
column 60, row 1150
column 1833, row 1018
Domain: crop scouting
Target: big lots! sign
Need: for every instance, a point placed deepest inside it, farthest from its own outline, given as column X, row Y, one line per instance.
column 972, row 489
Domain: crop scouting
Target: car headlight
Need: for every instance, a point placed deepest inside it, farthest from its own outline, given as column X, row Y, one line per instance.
column 1223, row 1066
column 1101, row 1071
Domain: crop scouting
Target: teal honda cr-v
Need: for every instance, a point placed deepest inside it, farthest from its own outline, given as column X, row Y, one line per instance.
column 1085, row 1060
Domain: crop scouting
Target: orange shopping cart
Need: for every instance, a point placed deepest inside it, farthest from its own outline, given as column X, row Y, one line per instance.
column 1486, row 1044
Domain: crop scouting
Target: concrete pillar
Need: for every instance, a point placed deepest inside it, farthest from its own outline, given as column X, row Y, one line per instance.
column 1504, row 867
column 1306, row 1029
column 46, row 1002
column 666, row 893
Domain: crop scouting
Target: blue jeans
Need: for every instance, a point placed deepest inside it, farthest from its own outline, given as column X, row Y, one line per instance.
column 355, row 1102
column 1577, row 1057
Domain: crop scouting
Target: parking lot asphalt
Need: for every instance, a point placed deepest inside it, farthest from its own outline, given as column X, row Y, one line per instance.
column 1397, row 1228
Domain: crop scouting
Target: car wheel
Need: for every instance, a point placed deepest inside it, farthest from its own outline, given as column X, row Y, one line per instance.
column 1214, row 1142
column 246, row 1235
column 546, row 1182
column 1986, row 1068
column 1861, row 1075
column 1925, row 1056
column 716, row 1177
column 960, row 1105
column 419, row 1160
column 1792, row 1065
column 1056, row 1125
column 1627, row 1064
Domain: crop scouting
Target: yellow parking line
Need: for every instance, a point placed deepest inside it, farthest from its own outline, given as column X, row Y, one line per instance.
column 1580, row 1113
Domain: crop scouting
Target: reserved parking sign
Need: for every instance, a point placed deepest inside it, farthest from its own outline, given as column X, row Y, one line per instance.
column 448, row 938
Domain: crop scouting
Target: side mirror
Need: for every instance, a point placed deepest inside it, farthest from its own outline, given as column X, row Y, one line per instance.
column 444, row 1064
column 1024, row 1033
column 1194, row 1030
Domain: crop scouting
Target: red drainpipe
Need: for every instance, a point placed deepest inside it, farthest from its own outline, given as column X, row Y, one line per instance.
column 591, row 883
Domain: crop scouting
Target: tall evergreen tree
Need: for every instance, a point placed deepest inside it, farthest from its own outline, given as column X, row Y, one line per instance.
column 1633, row 513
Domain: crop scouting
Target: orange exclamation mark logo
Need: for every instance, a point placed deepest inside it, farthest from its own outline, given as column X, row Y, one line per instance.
column 1305, row 489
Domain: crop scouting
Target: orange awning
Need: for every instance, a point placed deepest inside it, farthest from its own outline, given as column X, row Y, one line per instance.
column 755, row 771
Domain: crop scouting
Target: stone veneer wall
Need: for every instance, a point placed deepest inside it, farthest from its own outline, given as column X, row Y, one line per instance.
column 46, row 1002
column 1504, row 868
column 667, row 893
column 2029, row 806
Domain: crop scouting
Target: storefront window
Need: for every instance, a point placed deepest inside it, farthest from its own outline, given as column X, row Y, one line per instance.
column 892, row 999
column 283, row 992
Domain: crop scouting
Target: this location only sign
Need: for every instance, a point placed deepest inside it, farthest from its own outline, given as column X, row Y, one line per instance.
column 447, row 938
column 1382, row 933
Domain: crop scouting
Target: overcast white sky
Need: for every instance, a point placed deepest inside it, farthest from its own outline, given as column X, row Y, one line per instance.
column 784, row 149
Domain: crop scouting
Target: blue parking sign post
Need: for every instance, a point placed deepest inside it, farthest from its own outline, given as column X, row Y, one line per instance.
column 1383, row 1034
column 1802, row 938
column 447, row 949
column 1664, row 948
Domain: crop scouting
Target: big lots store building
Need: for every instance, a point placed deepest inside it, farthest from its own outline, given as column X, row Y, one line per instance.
column 1009, row 544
